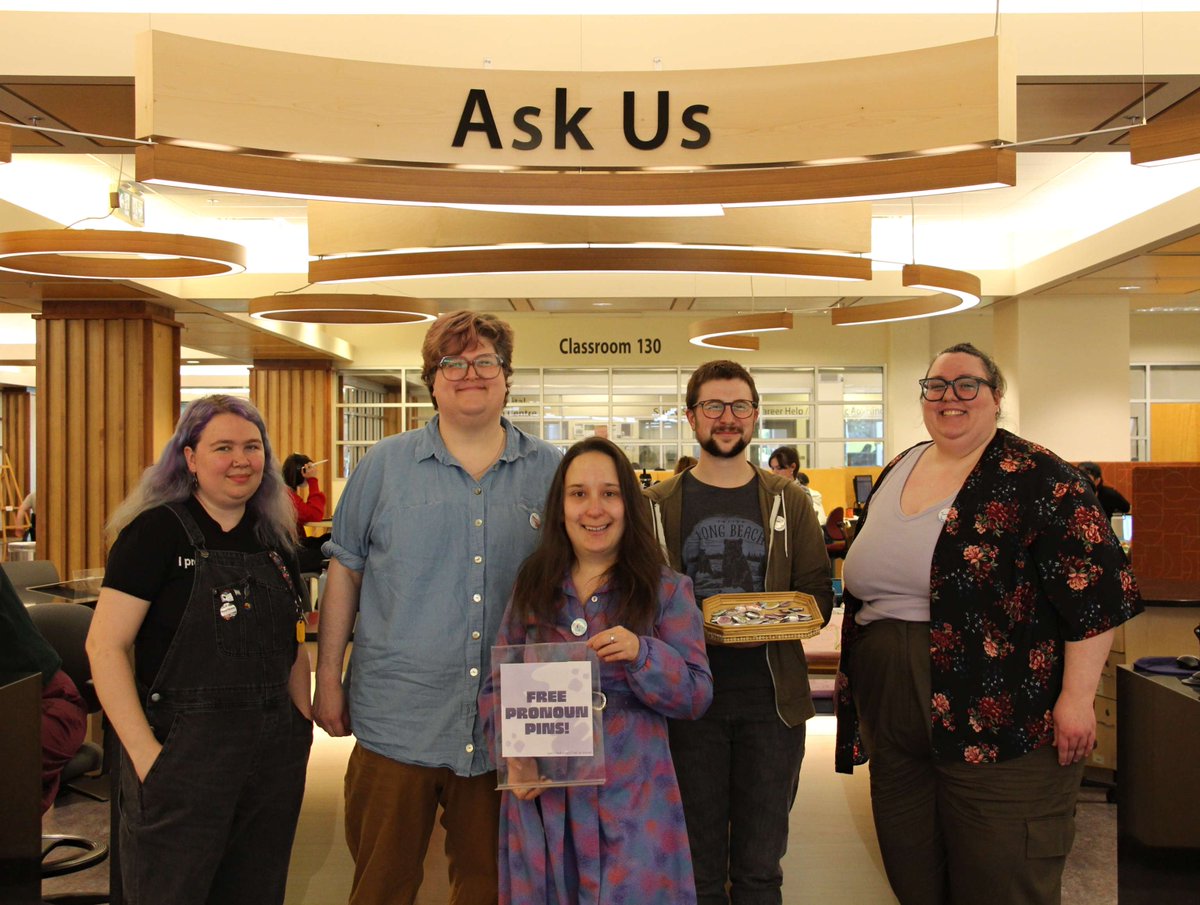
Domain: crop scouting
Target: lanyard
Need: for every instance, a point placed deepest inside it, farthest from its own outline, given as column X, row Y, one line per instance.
column 287, row 579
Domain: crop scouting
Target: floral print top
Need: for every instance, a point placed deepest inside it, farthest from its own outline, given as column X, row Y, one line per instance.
column 1025, row 562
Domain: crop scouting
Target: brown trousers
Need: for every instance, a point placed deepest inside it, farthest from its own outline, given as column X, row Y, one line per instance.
column 954, row 833
column 390, row 808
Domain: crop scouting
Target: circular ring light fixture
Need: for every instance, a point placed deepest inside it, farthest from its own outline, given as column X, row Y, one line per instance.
column 343, row 308
column 957, row 291
column 109, row 254
column 575, row 259
column 732, row 332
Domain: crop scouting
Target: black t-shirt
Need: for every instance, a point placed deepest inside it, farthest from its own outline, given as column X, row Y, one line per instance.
column 152, row 559
column 724, row 552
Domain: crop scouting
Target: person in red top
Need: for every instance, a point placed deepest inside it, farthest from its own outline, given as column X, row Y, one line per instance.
column 298, row 470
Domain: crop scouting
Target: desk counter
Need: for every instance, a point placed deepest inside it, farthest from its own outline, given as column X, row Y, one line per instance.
column 1158, row 835
column 1165, row 629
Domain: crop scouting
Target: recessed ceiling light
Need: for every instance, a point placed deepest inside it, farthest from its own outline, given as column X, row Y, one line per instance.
column 1129, row 288
column 601, row 304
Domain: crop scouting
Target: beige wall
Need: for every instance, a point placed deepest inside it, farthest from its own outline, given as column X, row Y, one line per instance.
column 1164, row 338
column 1068, row 362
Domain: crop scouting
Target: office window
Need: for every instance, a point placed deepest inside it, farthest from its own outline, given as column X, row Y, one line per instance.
column 376, row 404
column 524, row 407
column 1170, row 391
column 1175, row 383
column 647, row 417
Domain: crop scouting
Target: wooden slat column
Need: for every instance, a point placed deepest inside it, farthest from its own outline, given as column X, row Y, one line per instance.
column 296, row 401
column 107, row 402
column 393, row 419
column 15, row 403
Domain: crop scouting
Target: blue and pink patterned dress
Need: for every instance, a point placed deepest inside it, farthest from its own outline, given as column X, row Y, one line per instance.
column 623, row 843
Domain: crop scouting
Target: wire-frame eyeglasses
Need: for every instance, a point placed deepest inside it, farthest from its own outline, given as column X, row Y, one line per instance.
column 455, row 367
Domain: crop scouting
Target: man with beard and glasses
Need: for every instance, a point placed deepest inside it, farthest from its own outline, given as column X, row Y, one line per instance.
column 735, row 528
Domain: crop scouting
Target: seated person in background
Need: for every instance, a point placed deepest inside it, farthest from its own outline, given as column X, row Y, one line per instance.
column 64, row 714
column 818, row 500
column 786, row 461
column 684, row 463
column 299, row 470
column 25, row 511
column 1111, row 501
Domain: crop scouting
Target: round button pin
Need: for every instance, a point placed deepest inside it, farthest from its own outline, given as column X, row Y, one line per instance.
column 579, row 628
column 535, row 521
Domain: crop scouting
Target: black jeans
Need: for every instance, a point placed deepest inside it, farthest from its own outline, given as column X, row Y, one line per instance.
column 738, row 778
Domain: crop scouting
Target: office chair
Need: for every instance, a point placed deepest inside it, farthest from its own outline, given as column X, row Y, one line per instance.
column 65, row 627
column 23, row 573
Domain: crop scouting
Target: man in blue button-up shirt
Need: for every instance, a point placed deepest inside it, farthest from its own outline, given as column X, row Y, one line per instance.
column 427, row 539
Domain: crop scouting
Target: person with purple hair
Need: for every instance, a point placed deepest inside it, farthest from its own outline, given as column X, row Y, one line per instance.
column 213, row 714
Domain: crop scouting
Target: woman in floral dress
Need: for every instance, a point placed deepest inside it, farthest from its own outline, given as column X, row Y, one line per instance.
column 598, row 576
column 982, row 591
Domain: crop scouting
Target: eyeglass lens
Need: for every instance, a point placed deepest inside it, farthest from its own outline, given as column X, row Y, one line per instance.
column 455, row 368
column 715, row 408
column 965, row 388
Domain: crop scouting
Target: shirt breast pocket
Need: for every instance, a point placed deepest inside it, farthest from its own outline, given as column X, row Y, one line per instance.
column 517, row 531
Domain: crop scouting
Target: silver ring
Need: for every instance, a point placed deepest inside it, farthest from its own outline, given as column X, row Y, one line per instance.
column 612, row 639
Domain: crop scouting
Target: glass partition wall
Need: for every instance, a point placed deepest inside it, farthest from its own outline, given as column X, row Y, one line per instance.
column 1161, row 387
column 833, row 416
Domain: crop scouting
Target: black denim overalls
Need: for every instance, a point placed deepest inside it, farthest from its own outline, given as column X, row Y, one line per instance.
column 214, row 820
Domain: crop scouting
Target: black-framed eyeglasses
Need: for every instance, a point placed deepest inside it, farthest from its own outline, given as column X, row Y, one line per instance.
column 933, row 389
column 715, row 408
column 455, row 367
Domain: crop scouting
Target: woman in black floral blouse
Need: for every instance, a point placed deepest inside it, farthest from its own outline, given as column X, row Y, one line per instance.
column 981, row 595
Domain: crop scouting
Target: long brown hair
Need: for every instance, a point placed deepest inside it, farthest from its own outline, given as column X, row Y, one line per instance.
column 635, row 575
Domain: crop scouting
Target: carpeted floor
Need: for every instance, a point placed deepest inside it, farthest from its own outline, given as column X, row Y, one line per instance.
column 832, row 858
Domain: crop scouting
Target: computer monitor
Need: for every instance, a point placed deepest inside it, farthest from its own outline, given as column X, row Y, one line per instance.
column 862, row 489
column 1122, row 526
